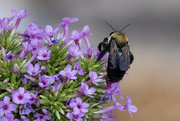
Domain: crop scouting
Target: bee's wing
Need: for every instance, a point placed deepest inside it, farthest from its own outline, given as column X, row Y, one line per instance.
column 124, row 59
column 113, row 54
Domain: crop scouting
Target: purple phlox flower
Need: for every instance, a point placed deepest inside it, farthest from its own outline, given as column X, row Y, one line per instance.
column 49, row 30
column 43, row 68
column 9, row 117
column 24, row 118
column 34, row 98
column 90, row 51
column 85, row 90
column 4, row 25
column 116, row 106
column 76, row 117
column 56, row 86
column 41, row 117
column 65, row 25
column 33, row 71
column 35, row 31
column 9, row 19
column 79, row 106
column 37, row 43
column 20, row 96
column 19, row 15
column 78, row 68
column 75, row 36
column 69, row 101
column 9, row 56
column 5, row 107
column 14, row 69
column 129, row 107
column 74, row 51
column 108, row 117
column 26, row 109
column 46, row 81
column 68, row 73
column 43, row 54
column 113, row 88
column 84, row 33
column 45, row 111
column 94, row 78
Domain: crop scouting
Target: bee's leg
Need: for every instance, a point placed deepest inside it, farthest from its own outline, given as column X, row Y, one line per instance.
column 102, row 44
column 105, row 40
column 103, row 52
column 131, row 57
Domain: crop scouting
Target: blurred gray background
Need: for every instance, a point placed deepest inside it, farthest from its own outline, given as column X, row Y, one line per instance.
column 153, row 81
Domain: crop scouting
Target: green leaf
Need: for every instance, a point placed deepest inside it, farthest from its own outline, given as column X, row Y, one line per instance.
column 57, row 115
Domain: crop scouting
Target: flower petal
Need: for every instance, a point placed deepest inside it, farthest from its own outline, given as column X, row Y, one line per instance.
column 6, row 100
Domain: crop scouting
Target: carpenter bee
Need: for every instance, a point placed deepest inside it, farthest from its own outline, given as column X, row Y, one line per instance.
column 120, row 57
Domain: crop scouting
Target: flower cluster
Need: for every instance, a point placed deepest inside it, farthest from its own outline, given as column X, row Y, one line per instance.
column 44, row 77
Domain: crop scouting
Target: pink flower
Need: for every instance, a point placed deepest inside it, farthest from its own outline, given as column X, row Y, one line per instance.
column 49, row 30
column 41, row 117
column 76, row 117
column 19, row 15
column 9, row 117
column 5, row 107
column 20, row 96
column 79, row 106
column 33, row 71
column 46, row 81
column 65, row 25
column 75, row 36
column 68, row 73
column 4, row 25
column 84, row 33
column 94, row 78
column 85, row 89
column 43, row 54
column 129, row 107
column 35, row 31
column 74, row 51
column 78, row 68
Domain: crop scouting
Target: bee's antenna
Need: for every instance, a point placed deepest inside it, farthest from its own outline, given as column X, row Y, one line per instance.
column 110, row 26
column 125, row 27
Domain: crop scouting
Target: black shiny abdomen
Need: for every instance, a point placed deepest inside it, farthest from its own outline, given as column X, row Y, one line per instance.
column 114, row 74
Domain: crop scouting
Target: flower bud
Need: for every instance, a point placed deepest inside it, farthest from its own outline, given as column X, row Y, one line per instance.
column 14, row 69
column 45, row 111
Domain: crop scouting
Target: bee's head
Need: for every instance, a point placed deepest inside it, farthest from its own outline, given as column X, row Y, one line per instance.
column 119, row 37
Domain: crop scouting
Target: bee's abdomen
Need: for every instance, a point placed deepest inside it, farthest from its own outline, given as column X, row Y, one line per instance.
column 114, row 74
